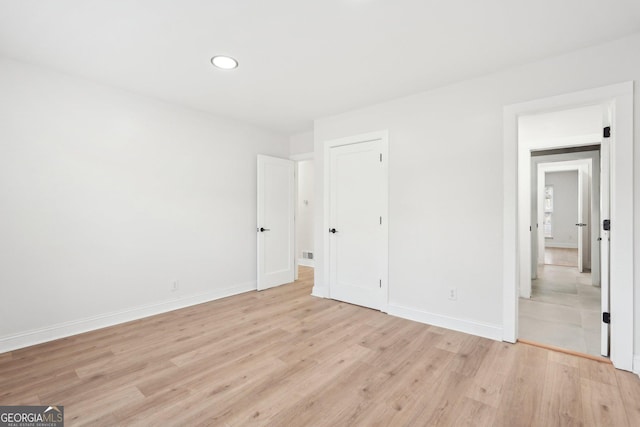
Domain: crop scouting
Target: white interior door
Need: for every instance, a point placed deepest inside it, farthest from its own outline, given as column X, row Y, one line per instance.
column 541, row 177
column 275, row 228
column 604, row 242
column 358, row 239
column 583, row 218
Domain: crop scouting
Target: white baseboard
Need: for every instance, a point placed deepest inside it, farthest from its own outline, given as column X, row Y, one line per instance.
column 319, row 291
column 561, row 245
column 485, row 330
column 75, row 327
column 306, row 262
column 636, row 364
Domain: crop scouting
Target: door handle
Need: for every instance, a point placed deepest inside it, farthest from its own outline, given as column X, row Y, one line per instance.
column 262, row 229
column 333, row 230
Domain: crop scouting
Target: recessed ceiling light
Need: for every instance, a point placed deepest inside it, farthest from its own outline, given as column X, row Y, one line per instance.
column 224, row 62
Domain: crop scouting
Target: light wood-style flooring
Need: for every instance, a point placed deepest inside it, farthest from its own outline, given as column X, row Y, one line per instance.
column 281, row 357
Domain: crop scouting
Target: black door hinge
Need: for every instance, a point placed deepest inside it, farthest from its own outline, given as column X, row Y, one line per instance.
column 606, row 225
column 606, row 132
column 606, row 317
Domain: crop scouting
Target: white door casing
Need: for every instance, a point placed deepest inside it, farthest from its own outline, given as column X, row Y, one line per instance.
column 516, row 244
column 590, row 208
column 358, row 254
column 604, row 243
column 275, row 221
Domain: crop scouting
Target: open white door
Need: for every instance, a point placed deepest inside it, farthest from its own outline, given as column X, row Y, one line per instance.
column 604, row 242
column 358, row 239
column 583, row 218
column 275, row 228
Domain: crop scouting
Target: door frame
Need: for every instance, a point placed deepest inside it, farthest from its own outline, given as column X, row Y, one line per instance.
column 593, row 165
column 582, row 167
column 297, row 158
column 516, row 233
column 383, row 137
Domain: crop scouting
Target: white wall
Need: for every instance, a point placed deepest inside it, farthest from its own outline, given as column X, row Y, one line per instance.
column 576, row 124
column 446, row 182
column 301, row 143
column 565, row 209
column 304, row 219
column 107, row 197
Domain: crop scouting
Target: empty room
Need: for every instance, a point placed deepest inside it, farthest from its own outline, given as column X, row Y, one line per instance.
column 344, row 212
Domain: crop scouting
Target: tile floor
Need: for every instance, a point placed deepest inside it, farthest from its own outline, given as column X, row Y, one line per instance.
column 564, row 310
column 561, row 256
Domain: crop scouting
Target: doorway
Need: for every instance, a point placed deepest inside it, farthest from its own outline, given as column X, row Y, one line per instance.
column 305, row 255
column 563, row 308
column 284, row 219
column 516, row 209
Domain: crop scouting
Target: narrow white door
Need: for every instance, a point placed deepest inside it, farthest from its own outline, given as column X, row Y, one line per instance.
column 583, row 216
column 604, row 243
column 357, row 228
column 275, row 228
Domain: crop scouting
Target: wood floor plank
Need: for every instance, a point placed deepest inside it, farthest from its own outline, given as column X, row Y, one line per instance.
column 6, row 358
column 402, row 365
column 453, row 341
column 221, row 406
column 597, row 372
column 470, row 412
column 603, row 405
column 405, row 397
column 305, row 382
column 230, row 347
column 55, row 365
column 283, row 358
column 488, row 383
column 25, row 397
column 401, row 374
column 470, row 356
column 630, row 393
column 441, row 408
column 90, row 413
column 334, row 398
column 138, row 412
column 565, row 359
column 522, row 396
column 75, row 392
column 13, row 393
column 561, row 402
column 318, row 347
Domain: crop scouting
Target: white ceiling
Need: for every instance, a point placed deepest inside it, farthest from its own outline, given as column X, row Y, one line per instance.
column 299, row 60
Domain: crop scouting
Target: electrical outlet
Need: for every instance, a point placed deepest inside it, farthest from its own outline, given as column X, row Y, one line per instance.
column 453, row 294
column 175, row 285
